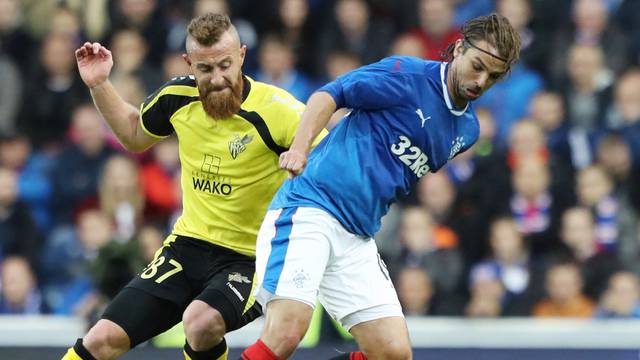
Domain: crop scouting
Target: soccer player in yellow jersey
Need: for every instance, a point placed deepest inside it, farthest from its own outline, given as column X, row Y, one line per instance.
column 231, row 131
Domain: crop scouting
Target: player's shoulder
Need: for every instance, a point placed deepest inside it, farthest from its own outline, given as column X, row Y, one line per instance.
column 407, row 64
column 472, row 126
column 265, row 97
column 178, row 87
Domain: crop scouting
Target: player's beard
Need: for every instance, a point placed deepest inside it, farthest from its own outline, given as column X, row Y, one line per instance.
column 222, row 105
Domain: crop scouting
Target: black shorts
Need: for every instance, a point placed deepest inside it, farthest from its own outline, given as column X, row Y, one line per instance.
column 186, row 269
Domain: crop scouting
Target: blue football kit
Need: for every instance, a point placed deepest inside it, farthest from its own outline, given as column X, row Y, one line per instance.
column 402, row 125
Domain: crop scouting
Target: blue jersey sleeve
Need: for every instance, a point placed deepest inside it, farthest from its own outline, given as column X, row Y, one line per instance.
column 379, row 85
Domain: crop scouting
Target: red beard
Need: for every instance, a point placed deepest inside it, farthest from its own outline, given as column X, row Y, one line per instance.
column 220, row 104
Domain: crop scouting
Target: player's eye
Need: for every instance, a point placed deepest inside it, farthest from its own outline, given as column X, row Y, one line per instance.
column 477, row 67
column 204, row 68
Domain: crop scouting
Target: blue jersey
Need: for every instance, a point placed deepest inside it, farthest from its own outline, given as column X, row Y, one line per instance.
column 402, row 125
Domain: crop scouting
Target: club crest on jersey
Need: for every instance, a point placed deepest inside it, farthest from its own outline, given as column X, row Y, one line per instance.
column 238, row 145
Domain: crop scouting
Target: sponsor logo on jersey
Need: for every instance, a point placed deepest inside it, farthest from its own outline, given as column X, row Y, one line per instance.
column 410, row 155
column 456, row 146
column 237, row 277
column 208, row 179
column 238, row 145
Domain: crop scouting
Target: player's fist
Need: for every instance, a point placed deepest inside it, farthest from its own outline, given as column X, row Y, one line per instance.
column 94, row 63
column 293, row 161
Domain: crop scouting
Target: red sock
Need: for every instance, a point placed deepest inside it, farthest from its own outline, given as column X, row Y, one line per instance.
column 357, row 356
column 259, row 351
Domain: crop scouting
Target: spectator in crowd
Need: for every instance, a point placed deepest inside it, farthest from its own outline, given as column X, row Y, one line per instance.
column 145, row 17
column 355, row 30
column 587, row 91
column 415, row 291
column 10, row 96
column 120, row 195
column 595, row 190
column 53, row 92
column 564, row 294
column 68, row 286
column 157, row 180
column 277, row 67
column 624, row 115
column 546, row 109
column 622, row 298
column 129, row 52
column 299, row 30
column 510, row 265
column 533, row 205
column 432, row 247
column 590, row 27
column 407, row 45
column 436, row 29
column 578, row 233
column 487, row 294
column 469, row 9
column 174, row 66
column 19, row 294
column 18, row 234
column 75, row 176
column 34, row 175
column 15, row 40
column 149, row 239
column 534, row 51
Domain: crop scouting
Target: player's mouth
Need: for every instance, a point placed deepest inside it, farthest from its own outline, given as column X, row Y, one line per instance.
column 471, row 94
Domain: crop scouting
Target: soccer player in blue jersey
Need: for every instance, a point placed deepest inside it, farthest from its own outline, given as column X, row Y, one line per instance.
column 408, row 117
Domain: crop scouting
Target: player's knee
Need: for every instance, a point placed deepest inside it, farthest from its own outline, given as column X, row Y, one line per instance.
column 204, row 327
column 106, row 340
column 390, row 351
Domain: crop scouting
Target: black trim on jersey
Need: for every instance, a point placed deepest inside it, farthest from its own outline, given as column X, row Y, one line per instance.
column 156, row 118
column 246, row 87
column 258, row 122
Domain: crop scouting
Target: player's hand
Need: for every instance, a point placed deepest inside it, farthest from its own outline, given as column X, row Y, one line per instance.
column 94, row 63
column 293, row 161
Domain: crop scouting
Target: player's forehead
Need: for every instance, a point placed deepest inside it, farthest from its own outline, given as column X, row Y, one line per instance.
column 488, row 56
column 225, row 49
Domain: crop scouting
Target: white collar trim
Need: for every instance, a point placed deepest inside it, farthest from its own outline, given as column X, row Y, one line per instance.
column 445, row 93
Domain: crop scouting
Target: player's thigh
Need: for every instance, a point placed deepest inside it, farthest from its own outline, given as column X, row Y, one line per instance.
column 229, row 289
column 291, row 254
column 142, row 315
column 356, row 286
column 154, row 300
column 385, row 338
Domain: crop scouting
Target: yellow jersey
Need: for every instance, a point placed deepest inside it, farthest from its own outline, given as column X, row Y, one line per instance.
column 230, row 167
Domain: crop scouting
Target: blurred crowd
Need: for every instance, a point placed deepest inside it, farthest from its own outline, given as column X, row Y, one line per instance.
column 539, row 218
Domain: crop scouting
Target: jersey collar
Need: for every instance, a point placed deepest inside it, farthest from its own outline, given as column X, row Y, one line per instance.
column 445, row 91
column 246, row 87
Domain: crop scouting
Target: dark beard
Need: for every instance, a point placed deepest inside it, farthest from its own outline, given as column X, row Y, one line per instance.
column 222, row 105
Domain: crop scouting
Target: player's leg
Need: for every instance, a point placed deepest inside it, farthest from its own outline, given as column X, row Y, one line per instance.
column 130, row 319
column 225, row 304
column 150, row 304
column 291, row 256
column 357, row 291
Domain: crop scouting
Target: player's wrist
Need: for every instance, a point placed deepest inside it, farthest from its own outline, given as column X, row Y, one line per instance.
column 98, row 85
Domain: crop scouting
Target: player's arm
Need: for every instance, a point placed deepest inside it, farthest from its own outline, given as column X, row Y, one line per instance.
column 94, row 63
column 314, row 119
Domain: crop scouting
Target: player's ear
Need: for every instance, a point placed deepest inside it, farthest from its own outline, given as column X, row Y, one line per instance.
column 185, row 57
column 458, row 48
column 243, row 52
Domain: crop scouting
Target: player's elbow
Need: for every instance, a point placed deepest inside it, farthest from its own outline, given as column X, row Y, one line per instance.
column 133, row 146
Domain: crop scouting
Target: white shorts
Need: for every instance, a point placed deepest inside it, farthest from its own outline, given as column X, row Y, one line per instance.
column 304, row 253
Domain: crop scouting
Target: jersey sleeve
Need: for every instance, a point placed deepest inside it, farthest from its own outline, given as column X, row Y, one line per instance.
column 375, row 86
column 159, row 107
